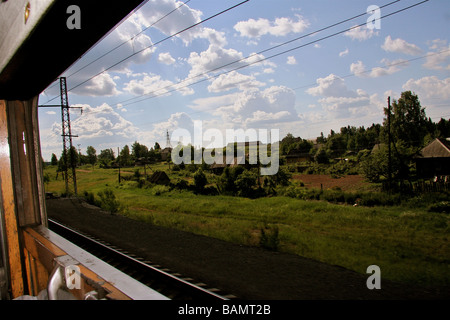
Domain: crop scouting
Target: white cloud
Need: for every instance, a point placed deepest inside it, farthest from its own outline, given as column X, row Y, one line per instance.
column 260, row 108
column 331, row 86
column 214, row 57
column 178, row 20
column 280, row 27
column 151, row 84
column 291, row 60
column 359, row 68
column 253, row 108
column 400, row 46
column 340, row 102
column 437, row 60
column 213, row 103
column 268, row 71
column 343, row 53
column 360, row 33
column 232, row 80
column 430, row 87
column 101, row 85
column 97, row 122
column 166, row 58
column 101, row 127
column 178, row 122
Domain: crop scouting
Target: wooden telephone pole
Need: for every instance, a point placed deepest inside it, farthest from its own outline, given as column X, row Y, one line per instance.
column 389, row 145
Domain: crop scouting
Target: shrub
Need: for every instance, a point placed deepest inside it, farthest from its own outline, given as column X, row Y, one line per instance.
column 90, row 198
column 158, row 189
column 443, row 206
column 269, row 238
column 108, row 201
column 333, row 196
column 321, row 156
column 245, row 183
column 200, row 180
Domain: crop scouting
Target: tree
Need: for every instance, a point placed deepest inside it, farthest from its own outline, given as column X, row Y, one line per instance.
column 321, row 156
column 157, row 146
column 286, row 143
column 245, row 183
column 139, row 150
column 408, row 121
column 321, row 139
column 200, row 180
column 91, row 155
column 336, row 145
column 374, row 166
column 125, row 157
column 73, row 157
column 443, row 128
column 105, row 158
column 54, row 160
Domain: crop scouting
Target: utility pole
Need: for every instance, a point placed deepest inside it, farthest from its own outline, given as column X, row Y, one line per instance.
column 389, row 145
column 71, row 179
column 118, row 162
column 69, row 175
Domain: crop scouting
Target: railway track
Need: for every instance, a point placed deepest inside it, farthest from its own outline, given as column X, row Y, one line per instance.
column 169, row 284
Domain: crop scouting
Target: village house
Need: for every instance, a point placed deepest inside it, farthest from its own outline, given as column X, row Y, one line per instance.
column 295, row 156
column 217, row 168
column 166, row 153
column 434, row 159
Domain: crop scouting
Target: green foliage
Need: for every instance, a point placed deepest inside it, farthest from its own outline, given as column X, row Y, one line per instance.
column 106, row 158
column 408, row 120
column 269, row 238
column 108, row 201
column 54, row 160
column 321, row 156
column 90, row 198
column 200, row 181
column 245, row 182
column 139, row 150
column 91, row 155
column 125, row 157
column 443, row 206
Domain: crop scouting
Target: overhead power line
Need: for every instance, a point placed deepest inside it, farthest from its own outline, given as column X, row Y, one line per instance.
column 342, row 76
column 126, row 102
column 154, row 44
column 125, row 42
column 261, row 52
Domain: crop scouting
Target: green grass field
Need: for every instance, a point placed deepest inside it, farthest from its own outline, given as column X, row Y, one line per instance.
column 409, row 243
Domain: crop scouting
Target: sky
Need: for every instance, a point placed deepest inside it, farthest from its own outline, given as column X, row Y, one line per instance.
column 265, row 64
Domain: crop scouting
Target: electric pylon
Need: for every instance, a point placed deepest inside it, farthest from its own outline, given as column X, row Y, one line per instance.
column 69, row 163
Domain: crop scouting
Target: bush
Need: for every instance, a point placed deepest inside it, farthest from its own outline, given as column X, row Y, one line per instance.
column 321, row 156
column 269, row 238
column 333, row 196
column 108, row 201
column 158, row 190
column 245, row 183
column 200, row 181
column 90, row 198
column 443, row 207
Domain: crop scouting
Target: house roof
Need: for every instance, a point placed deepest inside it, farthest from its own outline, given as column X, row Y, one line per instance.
column 378, row 146
column 166, row 150
column 438, row 148
column 235, row 162
column 159, row 177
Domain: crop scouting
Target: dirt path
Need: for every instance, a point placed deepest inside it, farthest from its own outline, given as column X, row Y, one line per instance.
column 246, row 272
